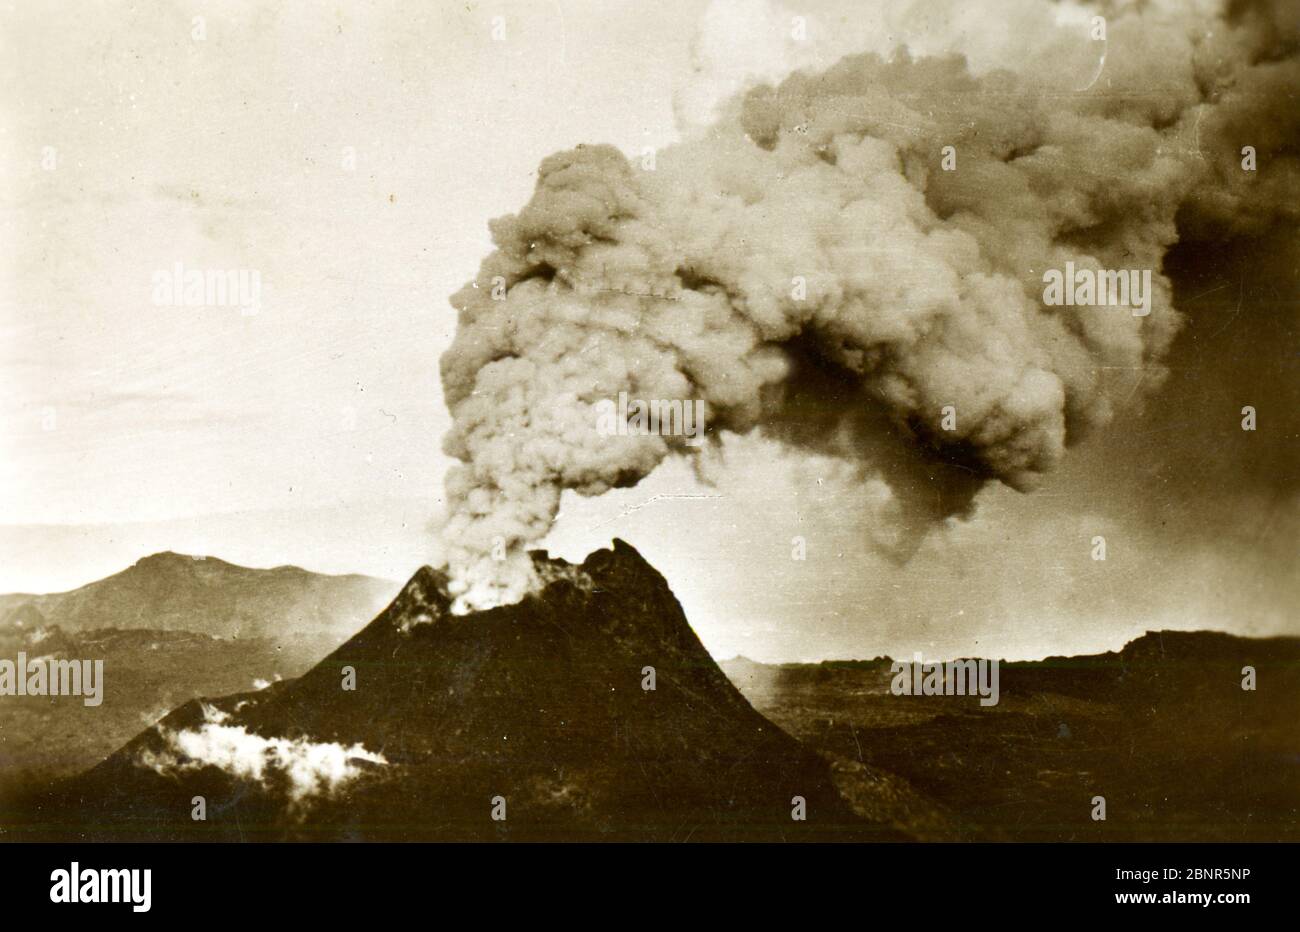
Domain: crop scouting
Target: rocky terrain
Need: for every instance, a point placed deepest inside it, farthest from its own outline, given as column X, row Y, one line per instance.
column 1162, row 729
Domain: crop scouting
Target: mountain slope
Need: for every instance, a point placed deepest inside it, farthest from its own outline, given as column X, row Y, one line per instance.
column 174, row 592
column 537, row 709
column 146, row 674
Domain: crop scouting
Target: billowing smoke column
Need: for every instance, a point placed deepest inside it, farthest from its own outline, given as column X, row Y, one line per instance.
column 808, row 268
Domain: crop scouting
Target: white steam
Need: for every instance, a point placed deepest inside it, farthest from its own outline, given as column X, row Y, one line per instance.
column 310, row 769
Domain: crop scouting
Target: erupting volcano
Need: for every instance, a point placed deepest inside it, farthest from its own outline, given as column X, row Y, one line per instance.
column 587, row 711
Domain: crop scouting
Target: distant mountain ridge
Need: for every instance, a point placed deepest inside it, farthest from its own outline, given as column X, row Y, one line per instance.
column 175, row 592
column 1189, row 736
column 1164, row 644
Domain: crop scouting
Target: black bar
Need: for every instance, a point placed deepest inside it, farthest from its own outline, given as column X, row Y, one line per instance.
column 260, row 882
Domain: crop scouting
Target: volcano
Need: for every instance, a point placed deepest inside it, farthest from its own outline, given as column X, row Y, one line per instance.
column 588, row 711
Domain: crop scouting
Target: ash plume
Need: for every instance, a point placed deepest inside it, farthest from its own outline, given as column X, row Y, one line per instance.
column 808, row 269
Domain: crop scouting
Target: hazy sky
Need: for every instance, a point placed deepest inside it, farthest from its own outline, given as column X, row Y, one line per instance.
column 352, row 155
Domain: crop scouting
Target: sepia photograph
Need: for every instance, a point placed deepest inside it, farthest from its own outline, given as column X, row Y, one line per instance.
column 712, row 421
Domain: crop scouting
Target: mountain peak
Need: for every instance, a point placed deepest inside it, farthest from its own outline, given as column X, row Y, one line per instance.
column 172, row 563
column 623, row 555
column 165, row 557
column 423, row 600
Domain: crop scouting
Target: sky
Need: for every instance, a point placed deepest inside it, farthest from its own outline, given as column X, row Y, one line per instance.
column 352, row 156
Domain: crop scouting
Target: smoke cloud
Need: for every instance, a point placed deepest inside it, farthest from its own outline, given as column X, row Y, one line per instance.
column 808, row 268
